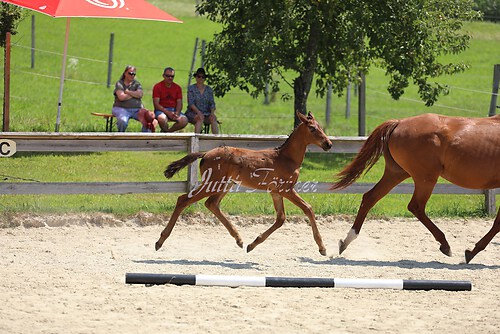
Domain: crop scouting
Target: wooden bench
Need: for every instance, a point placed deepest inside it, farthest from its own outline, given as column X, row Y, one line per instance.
column 109, row 120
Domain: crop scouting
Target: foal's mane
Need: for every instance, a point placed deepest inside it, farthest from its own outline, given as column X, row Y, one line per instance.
column 288, row 139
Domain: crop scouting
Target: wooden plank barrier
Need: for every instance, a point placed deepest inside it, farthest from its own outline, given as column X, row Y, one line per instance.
column 182, row 142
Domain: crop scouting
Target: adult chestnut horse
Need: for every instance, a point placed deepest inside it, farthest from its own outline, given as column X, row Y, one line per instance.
column 464, row 151
column 274, row 170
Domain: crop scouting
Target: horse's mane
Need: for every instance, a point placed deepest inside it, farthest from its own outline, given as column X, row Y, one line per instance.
column 286, row 141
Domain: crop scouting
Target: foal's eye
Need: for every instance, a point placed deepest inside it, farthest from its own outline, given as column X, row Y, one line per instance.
column 312, row 128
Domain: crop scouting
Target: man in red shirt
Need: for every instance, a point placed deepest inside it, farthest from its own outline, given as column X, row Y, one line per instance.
column 167, row 101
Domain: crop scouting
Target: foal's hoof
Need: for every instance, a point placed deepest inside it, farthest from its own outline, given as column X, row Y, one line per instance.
column 322, row 251
column 446, row 250
column 250, row 248
column 468, row 256
column 239, row 243
column 342, row 246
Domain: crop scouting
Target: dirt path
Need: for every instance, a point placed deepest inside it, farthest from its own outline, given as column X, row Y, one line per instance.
column 66, row 274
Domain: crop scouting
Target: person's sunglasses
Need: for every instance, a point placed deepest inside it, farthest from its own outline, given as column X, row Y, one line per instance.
column 200, row 76
column 169, row 76
column 131, row 73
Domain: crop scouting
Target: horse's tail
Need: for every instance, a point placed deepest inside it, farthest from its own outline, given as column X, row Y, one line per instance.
column 176, row 166
column 369, row 154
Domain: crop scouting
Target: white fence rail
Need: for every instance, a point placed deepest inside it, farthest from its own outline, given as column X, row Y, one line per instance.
column 187, row 142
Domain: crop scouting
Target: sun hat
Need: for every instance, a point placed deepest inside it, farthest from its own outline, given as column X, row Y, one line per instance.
column 201, row 71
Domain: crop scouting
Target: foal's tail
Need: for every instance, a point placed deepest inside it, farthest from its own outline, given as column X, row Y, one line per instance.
column 176, row 166
column 369, row 154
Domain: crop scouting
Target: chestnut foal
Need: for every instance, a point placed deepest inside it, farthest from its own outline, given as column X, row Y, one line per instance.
column 273, row 170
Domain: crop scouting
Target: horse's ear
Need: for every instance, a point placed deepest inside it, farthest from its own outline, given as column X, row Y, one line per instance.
column 310, row 115
column 301, row 116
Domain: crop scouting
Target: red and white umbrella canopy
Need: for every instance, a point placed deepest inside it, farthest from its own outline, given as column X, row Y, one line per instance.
column 124, row 9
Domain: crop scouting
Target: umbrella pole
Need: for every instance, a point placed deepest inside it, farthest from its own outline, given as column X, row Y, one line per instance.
column 63, row 74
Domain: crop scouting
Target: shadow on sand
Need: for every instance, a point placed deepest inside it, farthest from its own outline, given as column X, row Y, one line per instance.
column 226, row 264
column 405, row 264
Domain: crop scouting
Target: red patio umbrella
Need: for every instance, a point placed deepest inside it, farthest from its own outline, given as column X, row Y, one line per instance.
column 125, row 9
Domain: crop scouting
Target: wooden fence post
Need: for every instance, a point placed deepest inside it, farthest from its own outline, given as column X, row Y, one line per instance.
column 266, row 93
column 362, row 107
column 32, row 41
column 6, row 85
column 328, row 109
column 110, row 57
column 203, row 50
column 490, row 201
column 193, row 61
column 348, row 100
column 192, row 177
column 494, row 92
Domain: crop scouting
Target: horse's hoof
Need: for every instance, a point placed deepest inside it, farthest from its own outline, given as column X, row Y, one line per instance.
column 342, row 246
column 446, row 250
column 239, row 243
column 468, row 256
column 322, row 252
column 157, row 245
column 250, row 248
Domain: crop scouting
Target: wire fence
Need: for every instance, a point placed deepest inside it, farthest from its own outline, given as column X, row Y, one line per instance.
column 56, row 76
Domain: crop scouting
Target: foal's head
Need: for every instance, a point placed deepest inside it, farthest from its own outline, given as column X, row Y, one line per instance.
column 312, row 132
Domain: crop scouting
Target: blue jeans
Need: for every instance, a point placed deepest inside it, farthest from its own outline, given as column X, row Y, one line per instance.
column 123, row 115
column 158, row 113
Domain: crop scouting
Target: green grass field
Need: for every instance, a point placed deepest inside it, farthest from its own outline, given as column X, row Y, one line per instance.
column 153, row 45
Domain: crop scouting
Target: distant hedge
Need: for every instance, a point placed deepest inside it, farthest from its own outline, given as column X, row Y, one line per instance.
column 489, row 8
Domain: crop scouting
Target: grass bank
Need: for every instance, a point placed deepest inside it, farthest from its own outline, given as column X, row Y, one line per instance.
column 153, row 45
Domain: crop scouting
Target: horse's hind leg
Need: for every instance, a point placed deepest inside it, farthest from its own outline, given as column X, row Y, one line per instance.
column 391, row 178
column 423, row 191
column 481, row 244
column 182, row 202
column 307, row 209
column 212, row 203
column 280, row 219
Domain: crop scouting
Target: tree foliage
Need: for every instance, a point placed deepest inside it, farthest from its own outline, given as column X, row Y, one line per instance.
column 299, row 42
column 10, row 16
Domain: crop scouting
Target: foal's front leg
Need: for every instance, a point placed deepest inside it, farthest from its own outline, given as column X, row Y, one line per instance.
column 294, row 197
column 280, row 219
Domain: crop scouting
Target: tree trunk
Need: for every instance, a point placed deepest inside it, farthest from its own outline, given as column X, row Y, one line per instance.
column 300, row 98
column 303, row 83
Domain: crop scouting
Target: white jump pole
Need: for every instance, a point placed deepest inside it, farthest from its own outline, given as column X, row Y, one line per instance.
column 296, row 282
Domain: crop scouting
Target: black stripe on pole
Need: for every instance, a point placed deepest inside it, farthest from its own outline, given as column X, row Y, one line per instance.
column 299, row 282
column 437, row 285
column 159, row 279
